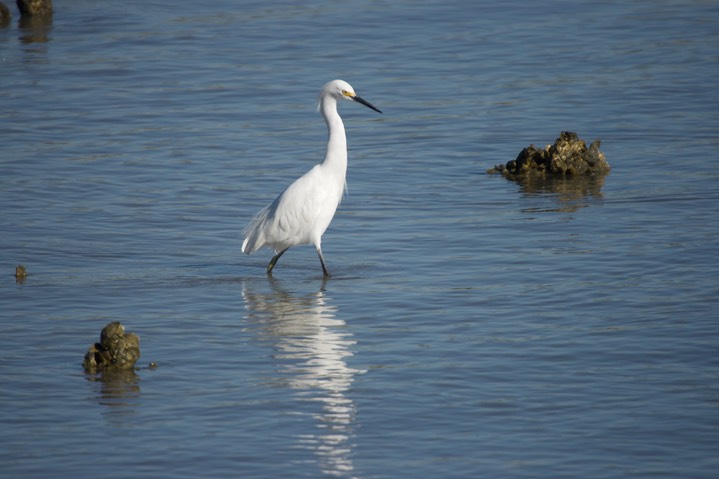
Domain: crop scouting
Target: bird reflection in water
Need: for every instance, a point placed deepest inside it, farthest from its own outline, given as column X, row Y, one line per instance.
column 311, row 346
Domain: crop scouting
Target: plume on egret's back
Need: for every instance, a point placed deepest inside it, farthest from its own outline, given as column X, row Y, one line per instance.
column 253, row 232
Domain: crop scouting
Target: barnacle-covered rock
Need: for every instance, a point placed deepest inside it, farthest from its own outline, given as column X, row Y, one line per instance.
column 34, row 8
column 115, row 351
column 568, row 156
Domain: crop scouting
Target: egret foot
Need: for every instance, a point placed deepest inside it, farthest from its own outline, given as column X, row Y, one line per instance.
column 273, row 261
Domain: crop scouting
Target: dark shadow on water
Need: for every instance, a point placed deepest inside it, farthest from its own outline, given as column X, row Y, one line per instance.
column 310, row 347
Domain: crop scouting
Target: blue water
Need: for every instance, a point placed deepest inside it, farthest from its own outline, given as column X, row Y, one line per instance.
column 474, row 327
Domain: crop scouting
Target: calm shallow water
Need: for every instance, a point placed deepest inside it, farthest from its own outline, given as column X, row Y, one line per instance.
column 474, row 327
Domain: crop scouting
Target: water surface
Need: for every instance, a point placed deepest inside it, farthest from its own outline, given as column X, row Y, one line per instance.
column 473, row 326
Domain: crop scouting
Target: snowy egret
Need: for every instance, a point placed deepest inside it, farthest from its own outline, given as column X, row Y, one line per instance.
column 302, row 213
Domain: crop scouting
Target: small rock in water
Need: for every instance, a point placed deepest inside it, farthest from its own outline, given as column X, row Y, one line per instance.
column 34, row 8
column 116, row 350
column 20, row 273
column 568, row 156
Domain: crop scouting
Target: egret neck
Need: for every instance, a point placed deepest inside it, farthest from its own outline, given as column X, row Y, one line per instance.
column 336, row 157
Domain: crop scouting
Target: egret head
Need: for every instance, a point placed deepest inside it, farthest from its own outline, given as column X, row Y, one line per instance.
column 340, row 89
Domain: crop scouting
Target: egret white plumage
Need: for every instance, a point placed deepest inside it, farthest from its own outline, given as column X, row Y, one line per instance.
column 302, row 213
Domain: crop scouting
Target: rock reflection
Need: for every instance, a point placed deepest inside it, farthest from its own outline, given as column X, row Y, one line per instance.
column 35, row 29
column 311, row 345
column 118, row 392
column 570, row 192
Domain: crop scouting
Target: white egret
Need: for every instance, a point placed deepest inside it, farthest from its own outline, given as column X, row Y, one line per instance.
column 302, row 213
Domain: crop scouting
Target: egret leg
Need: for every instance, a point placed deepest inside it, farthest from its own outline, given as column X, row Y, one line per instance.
column 273, row 261
column 322, row 261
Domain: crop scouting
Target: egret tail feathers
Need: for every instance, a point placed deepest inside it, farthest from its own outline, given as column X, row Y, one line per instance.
column 254, row 232
column 253, row 239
